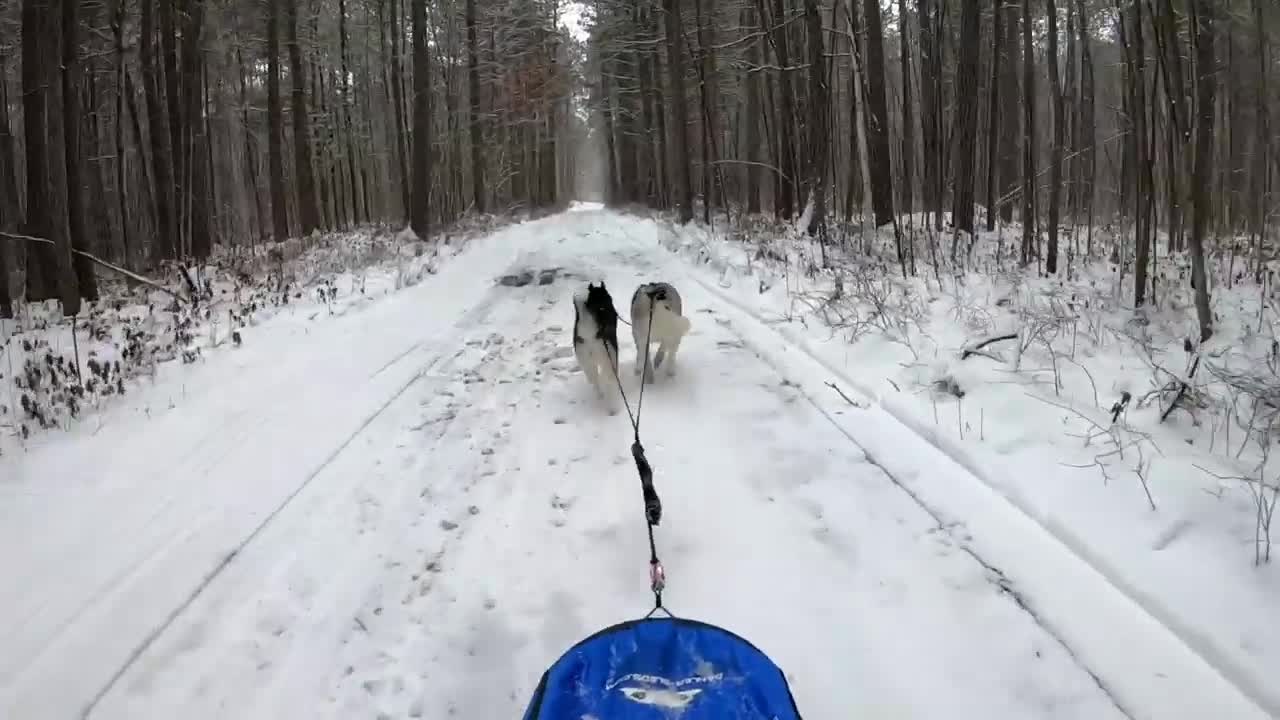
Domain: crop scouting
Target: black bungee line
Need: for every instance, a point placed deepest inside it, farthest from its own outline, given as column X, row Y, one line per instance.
column 652, row 504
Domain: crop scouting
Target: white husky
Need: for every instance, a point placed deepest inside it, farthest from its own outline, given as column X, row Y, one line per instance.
column 657, row 317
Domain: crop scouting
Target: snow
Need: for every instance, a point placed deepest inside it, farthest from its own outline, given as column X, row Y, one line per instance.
column 1187, row 565
column 410, row 509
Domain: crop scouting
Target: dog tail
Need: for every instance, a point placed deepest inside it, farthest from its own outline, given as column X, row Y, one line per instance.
column 681, row 324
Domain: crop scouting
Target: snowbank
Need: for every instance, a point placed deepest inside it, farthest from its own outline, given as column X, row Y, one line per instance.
column 51, row 378
column 1062, row 417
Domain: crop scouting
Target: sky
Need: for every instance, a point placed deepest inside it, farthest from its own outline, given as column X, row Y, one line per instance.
column 571, row 17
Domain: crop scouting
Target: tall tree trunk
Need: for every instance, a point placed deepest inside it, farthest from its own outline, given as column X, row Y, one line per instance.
column 1055, row 152
column 420, row 209
column 166, row 245
column 1139, row 161
column 10, row 206
column 475, row 120
column 1262, row 141
column 1009, row 102
column 752, row 114
column 198, row 183
column 967, row 100
column 84, row 285
column 819, row 148
column 1088, row 130
column 1169, row 54
column 785, row 182
column 908, row 114
column 173, row 101
column 855, row 192
column 250, row 151
column 359, row 211
column 63, row 286
column 1203, row 25
column 43, row 264
column 397, row 96
column 710, row 101
column 275, row 127
column 122, row 204
column 1030, row 243
column 994, row 125
column 929, row 101
column 308, row 211
column 680, row 114
column 878, row 118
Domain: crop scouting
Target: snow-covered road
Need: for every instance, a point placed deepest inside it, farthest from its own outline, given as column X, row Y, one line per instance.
column 411, row 510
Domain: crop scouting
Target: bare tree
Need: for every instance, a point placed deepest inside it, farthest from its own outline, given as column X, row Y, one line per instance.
column 1055, row 149
column 966, row 120
column 1206, row 62
column 419, row 207
column 676, row 96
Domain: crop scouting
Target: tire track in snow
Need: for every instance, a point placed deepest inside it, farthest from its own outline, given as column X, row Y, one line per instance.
column 1175, row 665
column 474, row 316
column 280, row 613
column 947, row 528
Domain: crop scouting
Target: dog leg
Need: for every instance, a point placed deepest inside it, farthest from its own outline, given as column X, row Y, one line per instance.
column 637, row 334
column 642, row 354
column 608, row 380
column 670, row 353
column 587, row 361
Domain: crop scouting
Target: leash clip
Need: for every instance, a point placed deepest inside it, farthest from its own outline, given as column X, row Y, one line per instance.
column 657, row 577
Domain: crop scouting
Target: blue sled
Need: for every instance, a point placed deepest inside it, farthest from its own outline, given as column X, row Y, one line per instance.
column 662, row 669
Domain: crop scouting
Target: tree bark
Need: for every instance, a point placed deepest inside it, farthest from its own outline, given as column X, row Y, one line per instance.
column 967, row 100
column 1204, row 22
column 397, row 97
column 476, row 119
column 85, row 286
column 908, row 146
column 10, row 206
column 1055, row 152
column 878, row 118
column 308, row 211
column 680, row 114
column 173, row 118
column 42, row 263
column 994, row 121
column 420, row 208
column 819, row 149
column 784, row 183
column 198, row 182
column 166, row 244
column 1030, row 243
column 752, row 114
column 275, row 127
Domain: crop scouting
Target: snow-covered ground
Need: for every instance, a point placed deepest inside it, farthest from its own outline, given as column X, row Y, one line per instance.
column 411, row 509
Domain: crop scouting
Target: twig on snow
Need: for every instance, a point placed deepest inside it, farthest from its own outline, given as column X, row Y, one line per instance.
column 847, row 399
column 976, row 349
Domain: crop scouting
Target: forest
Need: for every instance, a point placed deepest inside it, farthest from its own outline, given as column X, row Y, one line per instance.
column 140, row 134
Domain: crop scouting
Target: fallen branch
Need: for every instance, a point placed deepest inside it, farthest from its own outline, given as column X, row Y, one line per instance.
column 1182, row 389
column 976, row 349
column 94, row 258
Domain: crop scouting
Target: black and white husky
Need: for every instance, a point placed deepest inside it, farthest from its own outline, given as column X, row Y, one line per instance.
column 657, row 311
column 595, row 341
